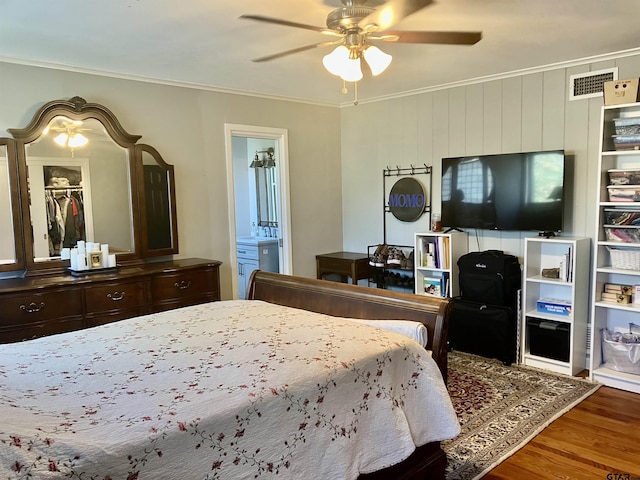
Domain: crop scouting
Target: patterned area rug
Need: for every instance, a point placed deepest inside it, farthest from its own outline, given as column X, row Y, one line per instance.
column 501, row 408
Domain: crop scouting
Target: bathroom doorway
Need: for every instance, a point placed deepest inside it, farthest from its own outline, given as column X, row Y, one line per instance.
column 258, row 185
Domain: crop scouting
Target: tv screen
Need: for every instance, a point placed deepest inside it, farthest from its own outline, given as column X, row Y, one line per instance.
column 514, row 191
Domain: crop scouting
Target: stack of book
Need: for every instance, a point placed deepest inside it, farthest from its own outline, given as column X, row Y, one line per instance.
column 435, row 252
column 566, row 266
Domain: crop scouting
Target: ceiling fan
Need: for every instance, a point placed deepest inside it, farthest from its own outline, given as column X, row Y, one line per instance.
column 356, row 26
column 69, row 132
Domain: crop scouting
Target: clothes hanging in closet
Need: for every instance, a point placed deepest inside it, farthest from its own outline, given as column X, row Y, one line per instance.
column 65, row 219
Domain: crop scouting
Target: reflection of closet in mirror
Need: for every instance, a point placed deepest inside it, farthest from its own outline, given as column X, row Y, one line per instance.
column 61, row 209
column 106, row 194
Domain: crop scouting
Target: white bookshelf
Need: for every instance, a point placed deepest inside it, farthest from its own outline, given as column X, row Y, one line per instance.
column 606, row 314
column 554, row 341
column 436, row 256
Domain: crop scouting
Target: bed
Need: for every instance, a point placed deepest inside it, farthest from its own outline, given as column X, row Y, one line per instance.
column 281, row 385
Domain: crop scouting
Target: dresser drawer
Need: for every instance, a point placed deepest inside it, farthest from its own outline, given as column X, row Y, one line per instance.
column 115, row 296
column 32, row 314
column 33, row 306
column 183, row 285
column 248, row 251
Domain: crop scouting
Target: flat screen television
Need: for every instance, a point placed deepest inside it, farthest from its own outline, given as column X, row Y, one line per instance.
column 514, row 191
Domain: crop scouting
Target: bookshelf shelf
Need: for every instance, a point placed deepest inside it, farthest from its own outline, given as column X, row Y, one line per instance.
column 436, row 270
column 555, row 341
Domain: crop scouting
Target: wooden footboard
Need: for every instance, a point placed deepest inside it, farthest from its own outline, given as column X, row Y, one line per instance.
column 428, row 462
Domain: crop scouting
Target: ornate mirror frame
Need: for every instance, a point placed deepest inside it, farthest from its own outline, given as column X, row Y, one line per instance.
column 7, row 146
column 141, row 158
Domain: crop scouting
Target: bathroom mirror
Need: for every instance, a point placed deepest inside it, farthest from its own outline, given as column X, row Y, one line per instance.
column 266, row 188
column 81, row 177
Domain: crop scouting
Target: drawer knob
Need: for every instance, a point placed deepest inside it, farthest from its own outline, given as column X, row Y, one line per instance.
column 115, row 296
column 32, row 308
column 183, row 284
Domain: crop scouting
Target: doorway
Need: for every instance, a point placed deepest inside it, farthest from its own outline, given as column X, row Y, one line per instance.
column 248, row 149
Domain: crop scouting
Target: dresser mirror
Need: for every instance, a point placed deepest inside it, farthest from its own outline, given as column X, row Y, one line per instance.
column 83, row 177
column 11, row 257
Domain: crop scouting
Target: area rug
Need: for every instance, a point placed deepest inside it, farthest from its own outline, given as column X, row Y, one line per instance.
column 501, row 408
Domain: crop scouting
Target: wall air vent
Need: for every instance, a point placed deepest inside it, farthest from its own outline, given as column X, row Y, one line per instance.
column 590, row 84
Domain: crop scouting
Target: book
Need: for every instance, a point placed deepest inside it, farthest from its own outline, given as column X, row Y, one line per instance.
column 444, row 285
column 432, row 286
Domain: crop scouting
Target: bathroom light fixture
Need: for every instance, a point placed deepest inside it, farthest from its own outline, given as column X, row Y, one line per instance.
column 267, row 160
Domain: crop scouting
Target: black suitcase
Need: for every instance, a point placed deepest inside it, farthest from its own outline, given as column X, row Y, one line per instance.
column 485, row 330
column 492, row 277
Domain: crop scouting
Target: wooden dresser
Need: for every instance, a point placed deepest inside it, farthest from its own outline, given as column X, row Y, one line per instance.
column 44, row 305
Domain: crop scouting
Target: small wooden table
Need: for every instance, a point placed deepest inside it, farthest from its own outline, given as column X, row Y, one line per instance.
column 346, row 264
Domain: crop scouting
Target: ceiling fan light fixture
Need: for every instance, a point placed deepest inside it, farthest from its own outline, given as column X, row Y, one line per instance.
column 73, row 140
column 61, row 139
column 336, row 61
column 352, row 72
column 378, row 60
column 77, row 140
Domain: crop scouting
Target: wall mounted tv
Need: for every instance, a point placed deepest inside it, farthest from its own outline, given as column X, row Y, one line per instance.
column 514, row 191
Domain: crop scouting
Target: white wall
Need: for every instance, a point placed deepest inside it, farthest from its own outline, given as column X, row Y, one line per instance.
column 520, row 113
column 187, row 127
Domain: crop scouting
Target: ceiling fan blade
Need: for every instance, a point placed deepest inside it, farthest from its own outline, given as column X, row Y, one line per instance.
column 286, row 23
column 451, row 38
column 295, row 50
column 391, row 13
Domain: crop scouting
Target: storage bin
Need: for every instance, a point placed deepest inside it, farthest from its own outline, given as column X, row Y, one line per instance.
column 622, row 233
column 624, row 177
column 627, row 126
column 626, row 142
column 625, row 258
column 624, row 193
column 621, row 352
column 616, row 216
column 548, row 339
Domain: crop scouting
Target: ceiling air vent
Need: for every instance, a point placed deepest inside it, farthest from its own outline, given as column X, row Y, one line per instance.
column 590, row 84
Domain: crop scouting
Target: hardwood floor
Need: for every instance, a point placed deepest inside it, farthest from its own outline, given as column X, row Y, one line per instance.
column 597, row 439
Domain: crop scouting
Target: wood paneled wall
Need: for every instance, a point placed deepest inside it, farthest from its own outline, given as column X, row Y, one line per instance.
column 524, row 112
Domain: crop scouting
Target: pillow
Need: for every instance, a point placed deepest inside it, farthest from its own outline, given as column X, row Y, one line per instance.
column 414, row 330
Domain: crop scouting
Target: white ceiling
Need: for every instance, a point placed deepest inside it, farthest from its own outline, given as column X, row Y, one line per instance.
column 204, row 43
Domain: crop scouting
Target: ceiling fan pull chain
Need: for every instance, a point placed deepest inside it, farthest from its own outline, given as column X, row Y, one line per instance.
column 344, row 86
column 355, row 93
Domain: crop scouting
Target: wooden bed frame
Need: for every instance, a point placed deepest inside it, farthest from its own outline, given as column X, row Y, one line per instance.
column 346, row 300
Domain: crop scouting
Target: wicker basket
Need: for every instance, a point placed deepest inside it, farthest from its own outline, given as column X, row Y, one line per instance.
column 625, row 258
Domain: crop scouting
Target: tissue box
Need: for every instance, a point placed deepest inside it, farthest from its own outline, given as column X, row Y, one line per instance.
column 554, row 306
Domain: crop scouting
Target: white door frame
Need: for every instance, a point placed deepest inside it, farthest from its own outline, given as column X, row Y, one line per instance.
column 280, row 136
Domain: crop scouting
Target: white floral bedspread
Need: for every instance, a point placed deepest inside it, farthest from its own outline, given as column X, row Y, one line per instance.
column 227, row 390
